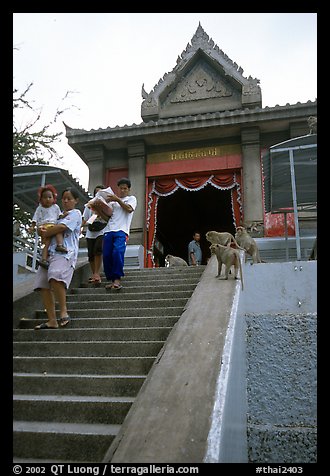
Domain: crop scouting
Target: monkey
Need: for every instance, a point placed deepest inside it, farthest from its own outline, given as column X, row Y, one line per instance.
column 248, row 244
column 171, row 260
column 312, row 124
column 229, row 257
column 222, row 238
column 254, row 226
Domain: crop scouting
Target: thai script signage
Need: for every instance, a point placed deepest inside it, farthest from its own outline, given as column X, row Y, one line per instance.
column 195, row 153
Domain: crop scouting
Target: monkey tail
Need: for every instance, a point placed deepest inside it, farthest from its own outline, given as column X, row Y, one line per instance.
column 238, row 246
column 241, row 270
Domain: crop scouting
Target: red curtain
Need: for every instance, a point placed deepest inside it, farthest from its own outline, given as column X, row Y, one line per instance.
column 167, row 186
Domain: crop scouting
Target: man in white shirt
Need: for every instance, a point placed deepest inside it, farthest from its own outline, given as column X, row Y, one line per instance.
column 116, row 233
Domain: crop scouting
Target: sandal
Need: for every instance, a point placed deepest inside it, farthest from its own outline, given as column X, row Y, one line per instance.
column 44, row 326
column 91, row 279
column 117, row 286
column 61, row 249
column 43, row 263
column 64, row 321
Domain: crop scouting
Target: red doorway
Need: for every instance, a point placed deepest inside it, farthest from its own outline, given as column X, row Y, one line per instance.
column 176, row 207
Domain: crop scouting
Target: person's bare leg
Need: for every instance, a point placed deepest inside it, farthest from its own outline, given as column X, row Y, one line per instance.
column 92, row 265
column 49, row 304
column 60, row 294
column 59, row 243
column 97, row 267
column 59, row 238
column 44, row 253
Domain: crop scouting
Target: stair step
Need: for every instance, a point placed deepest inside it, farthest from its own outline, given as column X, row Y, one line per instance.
column 115, row 304
column 83, row 365
column 127, row 312
column 88, row 348
column 72, row 409
column 73, row 442
column 105, row 323
column 95, row 334
column 173, row 270
column 105, row 296
column 135, row 287
column 74, row 384
column 152, row 281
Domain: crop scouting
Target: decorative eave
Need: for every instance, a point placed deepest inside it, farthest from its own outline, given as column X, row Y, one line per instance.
column 249, row 87
column 225, row 118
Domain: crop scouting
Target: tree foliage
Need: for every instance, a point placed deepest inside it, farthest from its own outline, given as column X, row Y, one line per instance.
column 32, row 143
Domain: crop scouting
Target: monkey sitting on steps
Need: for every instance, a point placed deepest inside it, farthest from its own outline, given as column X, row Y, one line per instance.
column 171, row 260
column 229, row 257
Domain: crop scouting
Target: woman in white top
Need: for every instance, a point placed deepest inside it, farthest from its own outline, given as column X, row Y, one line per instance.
column 53, row 282
column 94, row 243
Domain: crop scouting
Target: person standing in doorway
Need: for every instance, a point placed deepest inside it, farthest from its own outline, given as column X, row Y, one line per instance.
column 116, row 233
column 94, row 244
column 194, row 250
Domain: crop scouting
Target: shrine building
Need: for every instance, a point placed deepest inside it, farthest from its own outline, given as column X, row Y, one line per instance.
column 195, row 159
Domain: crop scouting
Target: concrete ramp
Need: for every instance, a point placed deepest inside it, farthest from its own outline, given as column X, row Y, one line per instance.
column 170, row 420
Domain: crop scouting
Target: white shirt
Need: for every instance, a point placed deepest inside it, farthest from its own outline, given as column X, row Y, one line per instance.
column 44, row 215
column 71, row 235
column 91, row 234
column 120, row 219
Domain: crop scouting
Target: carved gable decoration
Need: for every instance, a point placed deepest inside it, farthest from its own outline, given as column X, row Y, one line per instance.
column 204, row 80
column 203, row 89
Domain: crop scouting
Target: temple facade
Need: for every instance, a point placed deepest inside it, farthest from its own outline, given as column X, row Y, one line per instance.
column 195, row 159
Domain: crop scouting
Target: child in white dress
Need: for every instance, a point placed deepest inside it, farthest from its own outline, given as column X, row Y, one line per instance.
column 47, row 213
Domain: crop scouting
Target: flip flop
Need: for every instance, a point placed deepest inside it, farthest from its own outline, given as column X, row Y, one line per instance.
column 117, row 286
column 44, row 263
column 64, row 321
column 113, row 286
column 44, row 326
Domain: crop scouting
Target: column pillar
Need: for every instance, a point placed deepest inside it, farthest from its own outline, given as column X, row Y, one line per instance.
column 137, row 175
column 252, row 181
column 94, row 158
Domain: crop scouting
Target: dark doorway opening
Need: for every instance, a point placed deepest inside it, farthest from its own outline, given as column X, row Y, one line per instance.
column 181, row 214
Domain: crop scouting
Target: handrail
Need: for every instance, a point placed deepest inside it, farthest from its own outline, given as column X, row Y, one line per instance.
column 22, row 244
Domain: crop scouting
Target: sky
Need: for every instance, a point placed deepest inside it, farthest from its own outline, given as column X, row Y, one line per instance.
column 93, row 65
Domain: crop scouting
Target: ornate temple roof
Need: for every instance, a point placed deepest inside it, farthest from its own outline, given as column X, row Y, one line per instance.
column 205, row 88
column 204, row 80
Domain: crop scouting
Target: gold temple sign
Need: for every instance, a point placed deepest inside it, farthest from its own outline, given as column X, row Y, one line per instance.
column 197, row 153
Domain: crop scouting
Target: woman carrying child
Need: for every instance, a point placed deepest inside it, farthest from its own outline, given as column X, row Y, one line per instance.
column 53, row 282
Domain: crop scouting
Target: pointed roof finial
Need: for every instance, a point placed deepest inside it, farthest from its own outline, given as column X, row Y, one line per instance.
column 143, row 92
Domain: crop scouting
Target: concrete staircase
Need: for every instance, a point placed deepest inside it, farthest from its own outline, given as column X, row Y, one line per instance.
column 73, row 387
